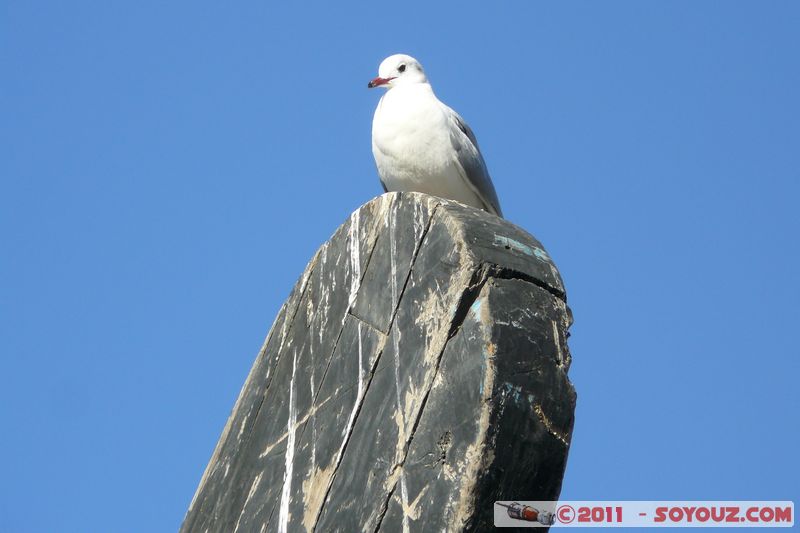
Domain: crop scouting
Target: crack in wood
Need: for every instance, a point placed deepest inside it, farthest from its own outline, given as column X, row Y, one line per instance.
column 468, row 296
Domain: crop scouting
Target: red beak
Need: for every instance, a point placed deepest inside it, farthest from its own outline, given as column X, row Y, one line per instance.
column 377, row 82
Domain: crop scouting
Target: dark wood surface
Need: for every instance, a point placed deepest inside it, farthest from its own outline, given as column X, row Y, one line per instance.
column 416, row 374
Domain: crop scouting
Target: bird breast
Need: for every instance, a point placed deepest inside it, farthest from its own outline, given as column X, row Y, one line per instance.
column 410, row 133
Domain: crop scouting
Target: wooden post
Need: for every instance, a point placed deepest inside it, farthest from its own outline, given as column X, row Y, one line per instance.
column 416, row 374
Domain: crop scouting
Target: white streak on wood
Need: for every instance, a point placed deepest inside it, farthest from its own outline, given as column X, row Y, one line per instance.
column 297, row 424
column 326, row 294
column 253, row 487
column 242, row 426
column 283, row 517
column 354, row 242
column 396, row 345
column 359, row 393
column 313, row 423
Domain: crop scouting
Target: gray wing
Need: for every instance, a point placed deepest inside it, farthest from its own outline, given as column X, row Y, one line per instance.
column 471, row 163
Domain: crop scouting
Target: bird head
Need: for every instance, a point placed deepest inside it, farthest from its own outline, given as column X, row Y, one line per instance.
column 398, row 69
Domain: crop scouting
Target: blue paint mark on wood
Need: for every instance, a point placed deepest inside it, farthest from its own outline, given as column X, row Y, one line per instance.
column 514, row 391
column 475, row 308
column 531, row 251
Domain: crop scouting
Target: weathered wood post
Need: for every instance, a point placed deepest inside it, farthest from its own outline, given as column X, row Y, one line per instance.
column 416, row 374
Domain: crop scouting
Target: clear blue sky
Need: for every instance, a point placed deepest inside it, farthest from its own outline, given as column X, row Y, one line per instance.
column 168, row 168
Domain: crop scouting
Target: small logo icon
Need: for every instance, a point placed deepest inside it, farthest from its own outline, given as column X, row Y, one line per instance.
column 527, row 513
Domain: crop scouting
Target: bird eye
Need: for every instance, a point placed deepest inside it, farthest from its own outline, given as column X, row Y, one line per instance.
column 401, row 68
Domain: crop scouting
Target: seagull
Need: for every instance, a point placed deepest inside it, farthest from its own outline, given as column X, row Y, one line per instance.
column 422, row 145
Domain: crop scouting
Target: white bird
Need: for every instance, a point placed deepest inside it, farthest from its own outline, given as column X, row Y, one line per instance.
column 422, row 145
